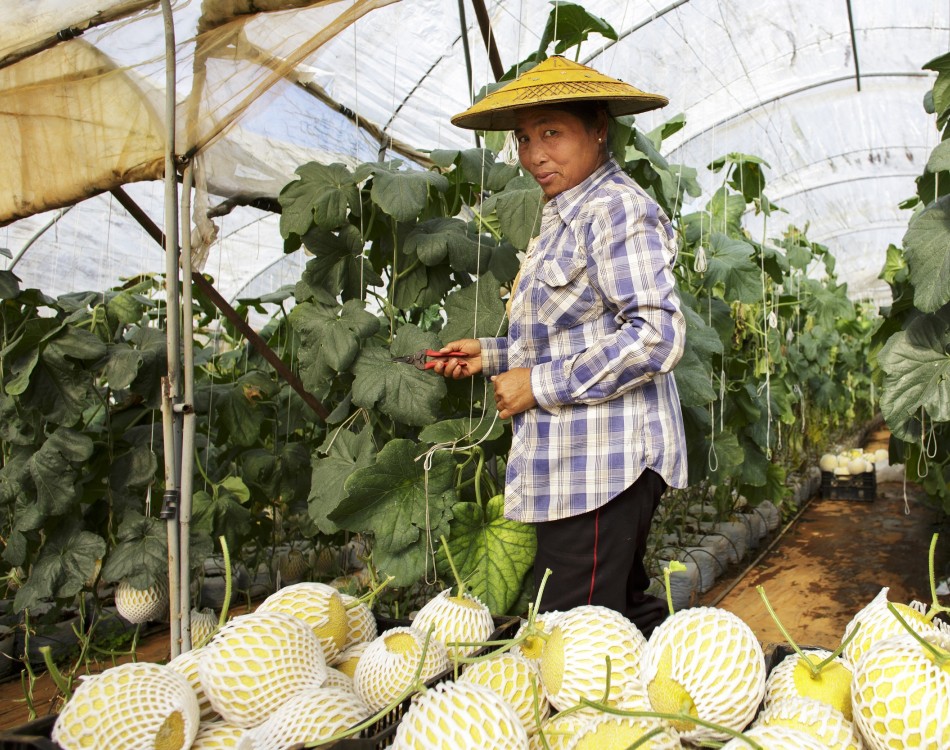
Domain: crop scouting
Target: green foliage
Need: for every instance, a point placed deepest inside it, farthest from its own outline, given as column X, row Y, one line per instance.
column 915, row 335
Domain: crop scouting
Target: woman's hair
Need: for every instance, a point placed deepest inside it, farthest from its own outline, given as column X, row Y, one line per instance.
column 585, row 111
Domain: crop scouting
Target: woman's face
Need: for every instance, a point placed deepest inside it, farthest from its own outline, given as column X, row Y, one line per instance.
column 557, row 148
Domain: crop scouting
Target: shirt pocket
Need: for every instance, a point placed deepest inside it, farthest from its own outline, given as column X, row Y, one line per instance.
column 564, row 297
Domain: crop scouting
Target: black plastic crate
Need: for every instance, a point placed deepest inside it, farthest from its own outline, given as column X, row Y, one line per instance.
column 36, row 734
column 862, row 487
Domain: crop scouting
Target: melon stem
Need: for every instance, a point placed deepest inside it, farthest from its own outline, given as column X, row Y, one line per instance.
column 815, row 669
column 226, row 605
column 940, row 656
column 935, row 606
column 682, row 717
column 459, row 583
column 369, row 598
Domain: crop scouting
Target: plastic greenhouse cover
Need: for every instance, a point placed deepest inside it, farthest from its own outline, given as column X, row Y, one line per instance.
column 838, row 118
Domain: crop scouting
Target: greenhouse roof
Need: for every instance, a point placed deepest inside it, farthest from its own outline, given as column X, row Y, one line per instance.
column 830, row 95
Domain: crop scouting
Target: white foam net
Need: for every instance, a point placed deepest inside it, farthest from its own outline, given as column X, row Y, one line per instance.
column 516, row 680
column 461, row 716
column 900, row 696
column 218, row 736
column 258, row 661
column 716, row 658
column 573, row 663
column 818, row 719
column 608, row 731
column 317, row 604
column 186, row 664
column 454, row 621
column 129, row 707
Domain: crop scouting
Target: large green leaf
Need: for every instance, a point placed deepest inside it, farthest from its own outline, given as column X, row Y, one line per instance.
column 322, row 196
column 224, row 511
column 518, row 208
column 694, row 370
column 403, row 194
column 925, row 245
column 422, row 286
column 570, row 25
column 401, row 504
column 916, row 365
column 435, row 240
column 331, row 337
column 141, row 556
column 344, row 453
column 239, row 409
column 152, row 345
column 122, row 366
column 492, row 553
column 9, row 285
column 67, row 559
column 338, row 266
column 730, row 264
column 726, row 210
column 397, row 389
column 465, row 429
column 55, row 474
column 475, row 311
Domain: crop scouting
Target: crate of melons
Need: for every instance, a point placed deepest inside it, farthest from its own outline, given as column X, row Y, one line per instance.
column 849, row 475
column 309, row 666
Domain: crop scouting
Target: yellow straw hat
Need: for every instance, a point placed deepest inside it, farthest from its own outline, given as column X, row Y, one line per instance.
column 556, row 80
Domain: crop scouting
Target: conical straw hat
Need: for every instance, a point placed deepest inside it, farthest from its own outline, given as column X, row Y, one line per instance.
column 556, row 80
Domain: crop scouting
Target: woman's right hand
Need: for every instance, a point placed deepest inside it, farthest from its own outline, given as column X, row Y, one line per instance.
column 456, row 367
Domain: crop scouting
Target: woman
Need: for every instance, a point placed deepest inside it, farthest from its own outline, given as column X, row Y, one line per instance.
column 595, row 330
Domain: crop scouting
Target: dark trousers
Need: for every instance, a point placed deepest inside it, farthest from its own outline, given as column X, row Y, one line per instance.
column 597, row 557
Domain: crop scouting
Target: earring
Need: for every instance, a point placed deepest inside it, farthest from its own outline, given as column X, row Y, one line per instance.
column 600, row 140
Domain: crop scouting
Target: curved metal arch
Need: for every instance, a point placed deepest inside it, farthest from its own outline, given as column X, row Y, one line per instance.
column 833, row 183
column 794, row 92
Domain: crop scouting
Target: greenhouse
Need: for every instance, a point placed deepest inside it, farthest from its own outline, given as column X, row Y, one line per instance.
column 480, row 374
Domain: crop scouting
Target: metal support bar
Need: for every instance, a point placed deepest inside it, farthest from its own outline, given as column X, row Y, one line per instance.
column 484, row 23
column 229, row 312
column 468, row 63
column 854, row 48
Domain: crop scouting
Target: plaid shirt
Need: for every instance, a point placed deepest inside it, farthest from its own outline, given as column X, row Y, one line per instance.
column 596, row 318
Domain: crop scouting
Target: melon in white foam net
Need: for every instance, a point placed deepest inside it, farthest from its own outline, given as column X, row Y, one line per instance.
column 707, row 663
column 346, row 662
column 901, row 695
column 878, row 622
column 530, row 648
column 792, row 679
column 338, row 679
column 813, row 717
column 256, row 662
column 516, row 680
column 218, row 735
column 318, row 605
column 388, row 665
column 456, row 619
column 186, row 664
column 360, row 623
column 142, row 605
column 312, row 716
column 609, row 732
column 776, row 738
column 460, row 716
column 203, row 624
column 573, row 658
column 130, row 707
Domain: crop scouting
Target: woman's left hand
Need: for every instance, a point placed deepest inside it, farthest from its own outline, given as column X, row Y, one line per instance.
column 513, row 393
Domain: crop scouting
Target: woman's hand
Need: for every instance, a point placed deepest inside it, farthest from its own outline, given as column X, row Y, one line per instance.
column 457, row 368
column 513, row 393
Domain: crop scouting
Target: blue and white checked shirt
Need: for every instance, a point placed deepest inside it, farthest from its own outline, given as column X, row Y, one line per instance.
column 596, row 318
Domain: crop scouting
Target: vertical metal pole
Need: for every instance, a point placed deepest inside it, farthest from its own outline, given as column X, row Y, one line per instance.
column 468, row 62
column 188, row 411
column 172, row 425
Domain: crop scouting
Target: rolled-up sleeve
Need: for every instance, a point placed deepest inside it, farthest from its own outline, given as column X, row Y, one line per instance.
column 630, row 264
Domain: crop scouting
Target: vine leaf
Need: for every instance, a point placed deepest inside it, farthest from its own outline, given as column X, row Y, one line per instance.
column 344, row 453
column 401, row 194
column 570, row 25
column 463, row 428
column 518, row 208
column 9, row 285
column 401, row 504
column 223, row 511
column 475, row 311
column 323, row 196
column 916, row 369
column 240, row 408
column 925, row 245
column 141, row 556
column 693, row 372
column 730, row 264
column 122, row 366
column 66, row 560
column 54, row 469
column 330, row 337
column 399, row 390
column 493, row 554
column 338, row 265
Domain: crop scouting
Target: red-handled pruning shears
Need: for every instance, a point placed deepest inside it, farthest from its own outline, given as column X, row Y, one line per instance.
column 421, row 358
